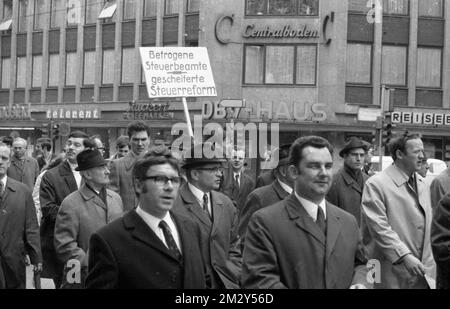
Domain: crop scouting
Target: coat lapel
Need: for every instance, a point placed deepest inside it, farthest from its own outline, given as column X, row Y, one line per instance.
column 217, row 207
column 282, row 194
column 193, row 206
column 142, row 232
column 129, row 161
column 333, row 229
column 88, row 194
column 298, row 214
column 350, row 181
column 66, row 173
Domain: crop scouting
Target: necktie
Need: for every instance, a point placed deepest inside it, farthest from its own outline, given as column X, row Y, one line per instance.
column 171, row 244
column 236, row 180
column 205, row 203
column 320, row 221
column 1, row 188
column 412, row 183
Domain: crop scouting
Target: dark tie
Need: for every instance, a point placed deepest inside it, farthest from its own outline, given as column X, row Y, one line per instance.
column 171, row 244
column 321, row 220
column 236, row 180
column 412, row 183
column 205, row 204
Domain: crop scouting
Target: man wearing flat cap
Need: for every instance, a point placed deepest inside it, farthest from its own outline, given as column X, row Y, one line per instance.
column 216, row 215
column 348, row 183
column 270, row 194
column 83, row 212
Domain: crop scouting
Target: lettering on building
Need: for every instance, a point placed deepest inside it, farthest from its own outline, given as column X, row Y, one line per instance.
column 146, row 111
column 268, row 32
column 419, row 118
column 15, row 112
column 88, row 113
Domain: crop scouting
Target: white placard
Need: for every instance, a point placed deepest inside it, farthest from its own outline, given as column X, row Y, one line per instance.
column 368, row 114
column 176, row 72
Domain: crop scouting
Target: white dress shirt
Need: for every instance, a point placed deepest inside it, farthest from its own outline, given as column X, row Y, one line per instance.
column 199, row 196
column 76, row 174
column 239, row 177
column 153, row 223
column 311, row 208
column 285, row 186
column 3, row 181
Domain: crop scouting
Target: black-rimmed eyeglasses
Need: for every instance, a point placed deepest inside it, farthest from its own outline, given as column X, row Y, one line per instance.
column 164, row 180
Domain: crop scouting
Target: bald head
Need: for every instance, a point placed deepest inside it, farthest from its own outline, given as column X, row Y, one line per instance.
column 19, row 147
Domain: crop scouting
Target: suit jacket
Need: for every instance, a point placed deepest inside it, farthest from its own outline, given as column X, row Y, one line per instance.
column 220, row 242
column 81, row 214
column 122, row 181
column 440, row 241
column 237, row 195
column 56, row 185
column 26, row 173
column 440, row 186
column 397, row 222
column 346, row 194
column 127, row 254
column 285, row 248
column 265, row 179
column 259, row 198
column 19, row 234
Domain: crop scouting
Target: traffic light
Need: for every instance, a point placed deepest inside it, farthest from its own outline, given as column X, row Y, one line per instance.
column 374, row 137
column 55, row 130
column 45, row 130
column 387, row 133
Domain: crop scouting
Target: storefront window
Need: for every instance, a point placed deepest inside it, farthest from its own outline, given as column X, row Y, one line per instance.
column 432, row 8
column 23, row 16
column 128, row 56
column 393, row 69
column 108, row 66
column 150, row 8
column 306, row 65
column 53, row 70
column 429, row 67
column 282, row 7
column 93, row 9
column 21, row 72
column 254, row 64
column 129, row 9
column 433, row 147
column 362, row 55
column 57, row 14
column 396, row 7
column 39, row 14
column 279, row 65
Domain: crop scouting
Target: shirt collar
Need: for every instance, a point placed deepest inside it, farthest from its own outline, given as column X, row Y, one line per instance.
column 72, row 166
column 151, row 220
column 198, row 193
column 311, row 208
column 285, row 186
column 3, row 180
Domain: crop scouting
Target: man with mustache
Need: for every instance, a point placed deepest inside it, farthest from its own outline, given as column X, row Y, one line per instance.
column 216, row 215
column 121, row 169
column 150, row 247
column 304, row 242
column 56, row 184
column 397, row 218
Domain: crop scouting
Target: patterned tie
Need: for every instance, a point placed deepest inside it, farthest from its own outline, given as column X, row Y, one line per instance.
column 320, row 221
column 205, row 204
column 171, row 244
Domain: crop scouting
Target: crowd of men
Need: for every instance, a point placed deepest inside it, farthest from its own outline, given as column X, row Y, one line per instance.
column 146, row 219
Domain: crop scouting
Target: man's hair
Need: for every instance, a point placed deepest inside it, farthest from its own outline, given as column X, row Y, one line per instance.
column 122, row 141
column 78, row 134
column 45, row 143
column 137, row 126
column 295, row 153
column 8, row 141
column 399, row 143
column 156, row 156
column 19, row 139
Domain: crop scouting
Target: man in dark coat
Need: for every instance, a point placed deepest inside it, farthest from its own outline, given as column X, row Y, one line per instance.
column 19, row 230
column 217, row 217
column 348, row 184
column 265, row 179
column 440, row 241
column 151, row 246
column 268, row 195
column 304, row 241
column 237, row 185
column 56, row 185
column 23, row 168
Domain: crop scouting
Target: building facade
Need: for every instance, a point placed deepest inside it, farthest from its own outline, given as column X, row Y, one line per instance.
column 313, row 66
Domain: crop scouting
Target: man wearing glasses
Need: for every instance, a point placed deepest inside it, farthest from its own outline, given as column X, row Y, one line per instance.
column 216, row 216
column 150, row 247
column 348, row 183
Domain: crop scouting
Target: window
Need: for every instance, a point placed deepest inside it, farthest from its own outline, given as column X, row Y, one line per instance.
column 6, row 21
column 282, row 7
column 53, row 70
column 71, row 69
column 431, row 8
column 108, row 66
column 21, row 72
column 129, row 9
column 172, row 7
column 280, row 64
column 108, row 9
column 429, row 67
column 193, row 5
column 396, row 7
column 362, row 55
column 128, row 56
column 89, row 68
column 93, row 9
column 23, row 16
column 359, row 5
column 393, row 70
column 37, row 71
column 6, row 72
column 150, row 7
column 57, row 14
column 39, row 14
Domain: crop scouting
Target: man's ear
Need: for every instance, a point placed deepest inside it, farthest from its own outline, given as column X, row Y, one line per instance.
column 399, row 154
column 293, row 172
column 194, row 175
column 137, row 186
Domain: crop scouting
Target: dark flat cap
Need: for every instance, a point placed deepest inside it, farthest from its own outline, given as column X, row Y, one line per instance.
column 88, row 159
column 353, row 143
column 197, row 157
